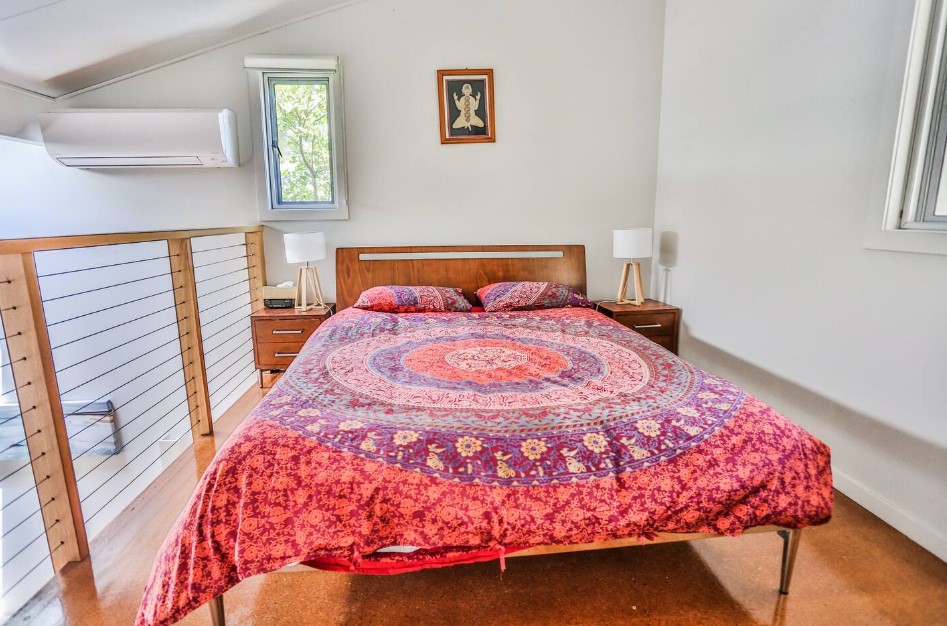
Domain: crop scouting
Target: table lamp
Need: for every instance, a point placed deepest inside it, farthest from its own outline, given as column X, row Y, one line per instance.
column 632, row 243
column 303, row 248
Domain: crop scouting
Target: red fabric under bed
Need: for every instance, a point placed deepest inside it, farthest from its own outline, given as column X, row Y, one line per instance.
column 567, row 428
column 389, row 563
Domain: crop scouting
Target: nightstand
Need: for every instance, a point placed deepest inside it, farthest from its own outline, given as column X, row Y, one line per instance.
column 279, row 335
column 655, row 320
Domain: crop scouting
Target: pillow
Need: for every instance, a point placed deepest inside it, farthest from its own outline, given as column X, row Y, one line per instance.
column 401, row 299
column 528, row 296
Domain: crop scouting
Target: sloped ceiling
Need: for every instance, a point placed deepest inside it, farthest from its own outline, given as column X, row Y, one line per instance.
column 57, row 47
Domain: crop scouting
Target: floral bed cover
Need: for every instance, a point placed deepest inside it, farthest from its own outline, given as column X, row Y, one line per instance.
column 471, row 435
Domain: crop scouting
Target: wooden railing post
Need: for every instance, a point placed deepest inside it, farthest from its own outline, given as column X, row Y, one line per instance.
column 189, row 329
column 24, row 323
column 256, row 266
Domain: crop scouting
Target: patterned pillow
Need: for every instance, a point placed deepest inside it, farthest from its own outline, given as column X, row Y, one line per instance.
column 527, row 296
column 401, row 299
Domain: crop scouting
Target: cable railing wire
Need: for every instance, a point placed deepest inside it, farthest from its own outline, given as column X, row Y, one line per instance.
column 224, row 357
column 155, row 423
column 23, row 467
column 127, row 402
column 232, row 363
column 31, row 542
column 217, row 332
column 115, row 306
column 15, row 389
column 138, row 338
column 28, row 490
column 228, row 313
column 18, row 415
column 117, row 367
column 236, row 258
column 127, row 282
column 236, row 245
column 49, row 556
column 105, row 330
column 209, row 278
column 99, row 267
column 21, row 522
column 223, row 302
column 204, row 295
column 9, row 363
column 25, row 439
column 219, row 402
column 145, row 469
column 135, row 458
column 224, row 342
column 27, row 518
column 132, row 420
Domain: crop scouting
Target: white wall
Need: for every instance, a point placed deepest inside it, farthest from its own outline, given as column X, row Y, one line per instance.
column 18, row 113
column 777, row 125
column 577, row 104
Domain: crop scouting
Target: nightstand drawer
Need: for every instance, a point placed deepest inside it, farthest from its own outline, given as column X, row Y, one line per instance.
column 649, row 324
column 284, row 330
column 666, row 341
column 276, row 355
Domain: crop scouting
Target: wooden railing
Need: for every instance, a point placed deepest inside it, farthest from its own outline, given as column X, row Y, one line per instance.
column 37, row 389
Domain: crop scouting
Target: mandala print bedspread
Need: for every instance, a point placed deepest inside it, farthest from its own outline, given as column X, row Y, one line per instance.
column 470, row 434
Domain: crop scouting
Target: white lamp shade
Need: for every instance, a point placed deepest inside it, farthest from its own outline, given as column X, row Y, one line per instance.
column 304, row 247
column 632, row 243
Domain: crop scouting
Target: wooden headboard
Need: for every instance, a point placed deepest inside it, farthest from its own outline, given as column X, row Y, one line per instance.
column 467, row 267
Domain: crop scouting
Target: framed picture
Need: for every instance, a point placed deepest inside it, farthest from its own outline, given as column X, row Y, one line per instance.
column 466, row 106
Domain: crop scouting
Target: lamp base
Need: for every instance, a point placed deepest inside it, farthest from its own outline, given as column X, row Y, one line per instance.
column 623, row 286
column 305, row 277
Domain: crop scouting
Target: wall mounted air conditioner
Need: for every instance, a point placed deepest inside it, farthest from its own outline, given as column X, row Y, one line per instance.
column 93, row 138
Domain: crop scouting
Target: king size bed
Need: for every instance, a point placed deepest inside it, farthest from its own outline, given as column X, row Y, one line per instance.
column 402, row 441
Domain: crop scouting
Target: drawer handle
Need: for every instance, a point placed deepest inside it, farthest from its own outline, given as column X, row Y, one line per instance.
column 647, row 326
column 286, row 354
column 287, row 332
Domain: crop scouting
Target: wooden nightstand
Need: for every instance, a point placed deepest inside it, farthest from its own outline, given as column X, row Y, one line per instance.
column 655, row 320
column 279, row 335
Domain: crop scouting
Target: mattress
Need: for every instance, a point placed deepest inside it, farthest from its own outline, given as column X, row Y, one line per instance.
column 464, row 436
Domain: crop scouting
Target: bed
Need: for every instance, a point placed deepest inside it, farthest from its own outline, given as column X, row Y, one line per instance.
column 397, row 442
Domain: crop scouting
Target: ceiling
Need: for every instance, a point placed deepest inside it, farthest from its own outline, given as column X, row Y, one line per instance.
column 57, row 47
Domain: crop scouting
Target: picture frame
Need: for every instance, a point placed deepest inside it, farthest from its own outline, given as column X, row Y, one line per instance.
column 465, row 103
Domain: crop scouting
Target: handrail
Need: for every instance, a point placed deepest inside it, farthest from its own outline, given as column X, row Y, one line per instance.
column 36, row 244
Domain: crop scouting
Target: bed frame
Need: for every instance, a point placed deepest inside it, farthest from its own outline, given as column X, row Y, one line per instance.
column 472, row 267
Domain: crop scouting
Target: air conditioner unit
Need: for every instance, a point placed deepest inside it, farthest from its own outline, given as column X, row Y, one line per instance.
column 113, row 138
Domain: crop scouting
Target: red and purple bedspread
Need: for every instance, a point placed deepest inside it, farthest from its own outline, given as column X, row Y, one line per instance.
column 467, row 434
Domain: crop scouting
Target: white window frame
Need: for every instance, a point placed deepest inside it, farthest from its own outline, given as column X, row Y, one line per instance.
column 903, row 224
column 260, row 69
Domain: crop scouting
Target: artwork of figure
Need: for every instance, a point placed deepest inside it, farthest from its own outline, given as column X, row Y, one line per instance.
column 467, row 105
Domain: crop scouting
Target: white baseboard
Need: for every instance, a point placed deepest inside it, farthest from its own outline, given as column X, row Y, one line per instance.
column 914, row 529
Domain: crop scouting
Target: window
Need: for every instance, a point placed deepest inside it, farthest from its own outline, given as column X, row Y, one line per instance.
column 300, row 106
column 919, row 192
column 914, row 216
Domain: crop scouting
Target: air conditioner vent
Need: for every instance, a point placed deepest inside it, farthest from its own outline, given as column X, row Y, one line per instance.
column 141, row 138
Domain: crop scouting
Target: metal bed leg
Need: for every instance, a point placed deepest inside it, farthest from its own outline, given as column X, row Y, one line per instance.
column 217, row 611
column 790, row 547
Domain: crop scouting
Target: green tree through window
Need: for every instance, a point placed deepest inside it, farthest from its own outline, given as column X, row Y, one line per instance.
column 301, row 111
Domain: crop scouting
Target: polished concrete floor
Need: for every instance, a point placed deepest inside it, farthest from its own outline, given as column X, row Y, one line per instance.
column 855, row 570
